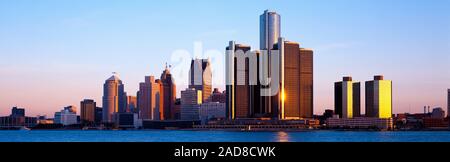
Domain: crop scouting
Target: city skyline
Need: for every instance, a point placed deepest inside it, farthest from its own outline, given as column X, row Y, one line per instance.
column 416, row 66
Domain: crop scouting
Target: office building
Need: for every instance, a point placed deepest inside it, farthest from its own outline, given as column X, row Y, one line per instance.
column 295, row 99
column 132, row 104
column 17, row 118
column 114, row 98
column 169, row 94
column 306, row 83
column 270, row 29
column 238, row 92
column 200, row 77
column 87, row 115
column 149, row 98
column 17, row 112
column 379, row 98
column 191, row 99
column 270, row 32
column 126, row 120
column 361, row 123
column 347, row 98
column 65, row 117
column 212, row 110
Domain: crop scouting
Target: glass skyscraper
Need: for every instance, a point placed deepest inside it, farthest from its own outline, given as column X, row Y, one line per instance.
column 270, row 27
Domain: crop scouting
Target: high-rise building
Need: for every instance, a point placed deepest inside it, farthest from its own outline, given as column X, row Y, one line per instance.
column 200, row 77
column 270, row 29
column 306, row 83
column 114, row 98
column 191, row 99
column 295, row 98
column 169, row 94
column 347, row 98
column 270, row 33
column 448, row 103
column 379, row 98
column 132, row 104
column 87, row 107
column 149, row 98
column 17, row 112
column 238, row 92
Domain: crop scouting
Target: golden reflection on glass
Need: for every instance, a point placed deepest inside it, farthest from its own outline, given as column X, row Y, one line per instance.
column 282, row 137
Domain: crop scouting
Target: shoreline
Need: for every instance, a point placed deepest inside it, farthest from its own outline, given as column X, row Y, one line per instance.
column 244, row 130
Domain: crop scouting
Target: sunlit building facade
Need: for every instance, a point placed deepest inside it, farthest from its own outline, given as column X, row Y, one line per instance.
column 149, row 98
column 238, row 92
column 347, row 98
column 379, row 98
column 295, row 99
column 169, row 95
column 191, row 99
column 200, row 77
column 114, row 98
column 87, row 114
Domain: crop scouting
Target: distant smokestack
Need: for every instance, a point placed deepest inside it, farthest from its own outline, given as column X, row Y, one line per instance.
column 425, row 110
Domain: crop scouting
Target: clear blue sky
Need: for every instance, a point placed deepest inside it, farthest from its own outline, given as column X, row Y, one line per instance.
column 54, row 53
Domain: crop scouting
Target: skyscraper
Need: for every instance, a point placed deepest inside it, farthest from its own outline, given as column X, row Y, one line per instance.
column 270, row 29
column 295, row 99
column 200, row 77
column 270, row 33
column 132, row 104
column 379, row 98
column 149, row 98
column 238, row 95
column 169, row 94
column 306, row 83
column 346, row 98
column 191, row 99
column 87, row 107
column 114, row 98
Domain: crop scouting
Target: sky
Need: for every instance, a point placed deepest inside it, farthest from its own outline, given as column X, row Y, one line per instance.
column 56, row 53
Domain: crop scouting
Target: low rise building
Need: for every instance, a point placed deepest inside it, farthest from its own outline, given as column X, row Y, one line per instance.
column 361, row 123
column 65, row 117
column 212, row 110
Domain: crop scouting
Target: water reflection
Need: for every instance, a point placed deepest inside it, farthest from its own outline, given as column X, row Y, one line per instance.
column 282, row 137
